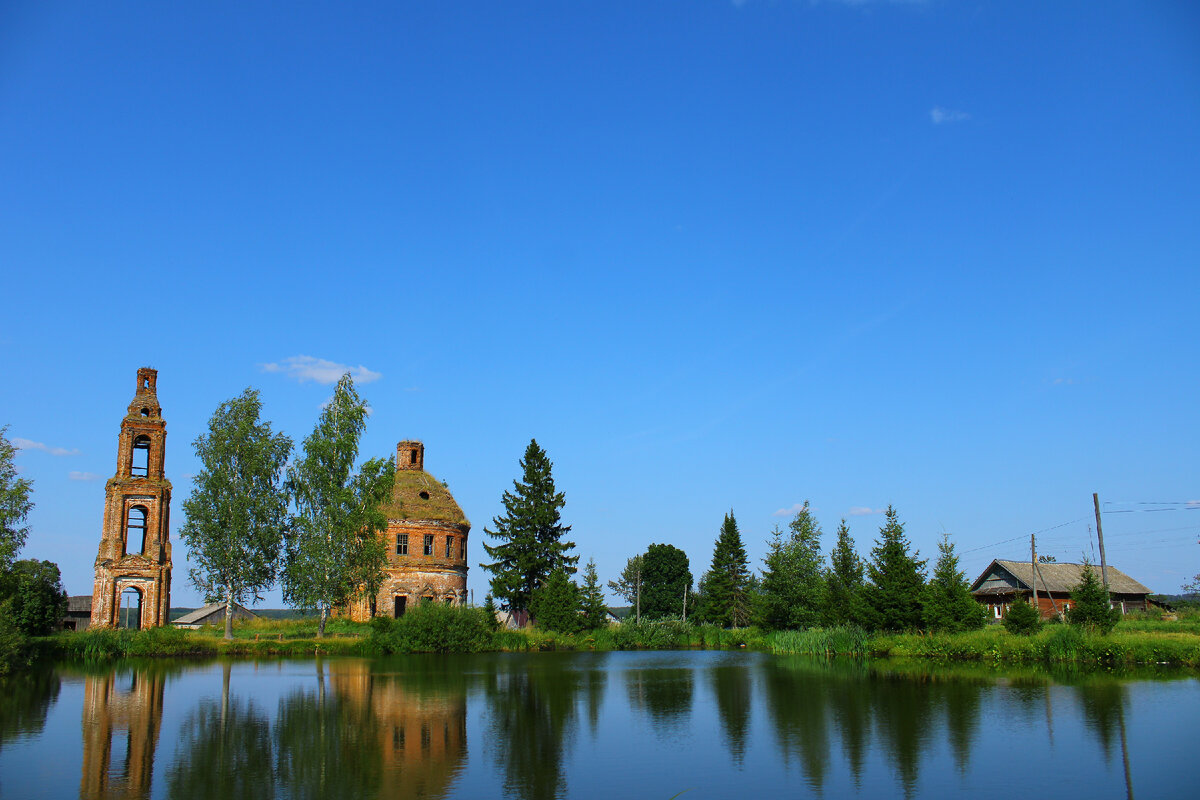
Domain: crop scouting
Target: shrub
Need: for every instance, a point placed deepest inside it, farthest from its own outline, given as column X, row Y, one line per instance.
column 1022, row 618
column 13, row 644
column 39, row 600
column 1090, row 607
column 432, row 628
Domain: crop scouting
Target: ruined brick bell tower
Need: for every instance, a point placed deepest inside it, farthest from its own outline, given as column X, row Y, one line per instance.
column 135, row 553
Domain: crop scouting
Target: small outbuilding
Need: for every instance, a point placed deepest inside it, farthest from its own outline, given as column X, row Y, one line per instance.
column 79, row 613
column 212, row 614
column 1004, row 581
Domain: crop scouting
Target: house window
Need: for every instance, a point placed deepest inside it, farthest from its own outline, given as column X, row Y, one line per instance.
column 449, row 546
column 135, row 530
column 429, row 544
column 401, row 544
column 139, row 466
column 996, row 611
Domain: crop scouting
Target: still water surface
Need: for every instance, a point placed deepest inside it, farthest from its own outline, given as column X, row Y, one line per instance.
column 583, row 725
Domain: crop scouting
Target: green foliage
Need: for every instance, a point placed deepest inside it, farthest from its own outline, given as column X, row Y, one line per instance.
column 1090, row 606
column 844, row 582
column 15, row 504
column 897, row 579
column 725, row 599
column 591, row 599
column 14, row 652
column 842, row 640
column 490, row 611
column 333, row 550
column 793, row 584
column 237, row 512
column 531, row 532
column 1022, row 618
column 948, row 604
column 38, row 599
column 555, row 605
column 665, row 577
column 629, row 584
column 433, row 628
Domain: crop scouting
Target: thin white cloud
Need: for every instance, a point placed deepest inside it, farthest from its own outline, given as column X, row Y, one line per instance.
column 863, row 511
column 943, row 116
column 320, row 370
column 28, row 444
column 76, row 475
column 790, row 512
column 1065, row 381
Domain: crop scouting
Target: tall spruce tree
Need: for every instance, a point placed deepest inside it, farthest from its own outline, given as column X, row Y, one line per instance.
column 948, row 604
column 793, row 582
column 1090, row 604
column 591, row 599
column 333, row 550
column 725, row 595
column 844, row 580
column 237, row 512
column 897, row 579
column 531, row 534
column 665, row 579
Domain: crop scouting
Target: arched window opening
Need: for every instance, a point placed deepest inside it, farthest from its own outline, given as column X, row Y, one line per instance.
column 145, row 412
column 135, row 530
column 412, row 456
column 129, row 613
column 140, row 463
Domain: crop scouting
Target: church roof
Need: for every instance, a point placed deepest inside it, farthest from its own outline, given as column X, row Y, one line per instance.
column 417, row 495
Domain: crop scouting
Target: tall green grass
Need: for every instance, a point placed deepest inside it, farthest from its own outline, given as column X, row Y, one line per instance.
column 839, row 641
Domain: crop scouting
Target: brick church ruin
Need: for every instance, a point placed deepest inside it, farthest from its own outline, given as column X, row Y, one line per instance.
column 427, row 542
column 133, row 567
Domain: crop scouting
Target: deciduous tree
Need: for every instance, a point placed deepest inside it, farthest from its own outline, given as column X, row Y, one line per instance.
column 629, row 585
column 897, row 579
column 665, row 577
column 333, row 549
column 15, row 504
column 530, row 533
column 793, row 583
column 237, row 512
column 39, row 600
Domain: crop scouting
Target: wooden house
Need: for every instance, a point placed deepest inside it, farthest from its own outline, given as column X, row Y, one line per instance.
column 212, row 614
column 1005, row 581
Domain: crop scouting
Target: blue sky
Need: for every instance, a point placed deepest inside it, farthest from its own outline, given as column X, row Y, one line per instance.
column 711, row 255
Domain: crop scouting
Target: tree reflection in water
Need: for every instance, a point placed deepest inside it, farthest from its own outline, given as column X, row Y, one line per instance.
column 665, row 694
column 25, row 699
column 733, row 689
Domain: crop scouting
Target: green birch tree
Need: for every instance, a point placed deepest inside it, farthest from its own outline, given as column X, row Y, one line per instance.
column 724, row 592
column 629, row 585
column 530, row 533
column 237, row 513
column 333, row 550
column 15, row 504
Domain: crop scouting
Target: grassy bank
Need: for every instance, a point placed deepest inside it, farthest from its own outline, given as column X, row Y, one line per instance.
column 441, row 629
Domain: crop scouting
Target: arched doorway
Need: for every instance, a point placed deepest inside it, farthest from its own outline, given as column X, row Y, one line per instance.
column 129, row 612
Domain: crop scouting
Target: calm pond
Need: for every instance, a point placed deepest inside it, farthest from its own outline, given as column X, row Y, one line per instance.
column 582, row 725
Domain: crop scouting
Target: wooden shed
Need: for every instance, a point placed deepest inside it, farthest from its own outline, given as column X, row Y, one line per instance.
column 1005, row 581
column 212, row 614
column 79, row 612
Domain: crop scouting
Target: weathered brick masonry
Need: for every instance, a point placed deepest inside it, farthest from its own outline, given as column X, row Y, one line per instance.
column 427, row 542
column 135, row 551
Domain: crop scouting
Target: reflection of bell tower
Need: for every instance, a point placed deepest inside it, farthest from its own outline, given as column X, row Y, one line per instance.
column 135, row 554
column 122, row 713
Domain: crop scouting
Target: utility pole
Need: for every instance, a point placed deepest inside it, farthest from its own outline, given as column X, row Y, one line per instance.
column 1100, row 537
column 1034, row 571
column 638, row 614
column 685, row 602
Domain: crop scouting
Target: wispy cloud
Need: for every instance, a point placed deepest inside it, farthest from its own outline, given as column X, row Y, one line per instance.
column 943, row 116
column 863, row 511
column 76, row 475
column 1064, row 382
column 320, row 370
column 791, row 512
column 28, row 444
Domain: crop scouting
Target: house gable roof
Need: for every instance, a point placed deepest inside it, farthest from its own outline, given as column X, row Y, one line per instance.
column 1059, row 577
column 200, row 614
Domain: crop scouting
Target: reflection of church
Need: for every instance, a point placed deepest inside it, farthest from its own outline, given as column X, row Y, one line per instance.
column 422, row 731
column 122, row 713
